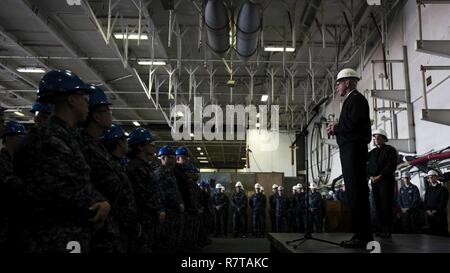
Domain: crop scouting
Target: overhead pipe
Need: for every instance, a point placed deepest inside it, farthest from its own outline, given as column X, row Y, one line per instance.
column 429, row 157
column 217, row 27
column 248, row 27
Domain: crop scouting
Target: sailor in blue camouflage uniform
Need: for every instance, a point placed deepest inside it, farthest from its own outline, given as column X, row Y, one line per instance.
column 206, row 220
column 221, row 204
column 187, row 177
column 409, row 202
column 281, row 211
column 170, row 231
column 195, row 196
column 435, row 204
column 103, row 174
column 295, row 208
column 272, row 204
column 115, row 142
column 292, row 224
column 9, row 183
column 60, row 203
column 239, row 205
column 148, row 194
column 315, row 209
column 301, row 208
column 258, row 206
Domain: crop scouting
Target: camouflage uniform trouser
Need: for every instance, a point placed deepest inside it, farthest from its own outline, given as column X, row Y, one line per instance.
column 191, row 230
column 206, row 225
column 220, row 219
column 258, row 222
column 281, row 223
column 169, row 233
column 146, row 241
column 315, row 220
column 107, row 239
column 239, row 223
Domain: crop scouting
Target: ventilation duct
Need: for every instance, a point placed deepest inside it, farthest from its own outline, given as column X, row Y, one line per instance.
column 217, row 27
column 247, row 29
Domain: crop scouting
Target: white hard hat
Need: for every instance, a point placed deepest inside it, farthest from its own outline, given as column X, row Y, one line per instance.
column 218, row 186
column 280, row 188
column 380, row 132
column 295, row 187
column 313, row 186
column 406, row 175
column 262, row 188
column 300, row 186
column 347, row 73
column 330, row 193
column 257, row 185
column 238, row 184
column 274, row 186
column 432, row 172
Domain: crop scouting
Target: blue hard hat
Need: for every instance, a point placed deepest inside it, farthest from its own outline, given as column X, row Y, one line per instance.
column 40, row 107
column 115, row 132
column 166, row 150
column 57, row 82
column 139, row 135
column 97, row 97
column 13, row 128
column 182, row 151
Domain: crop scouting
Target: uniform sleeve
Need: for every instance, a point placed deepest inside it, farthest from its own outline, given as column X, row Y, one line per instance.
column 390, row 164
column 250, row 202
column 147, row 192
column 127, row 206
column 400, row 200
column 178, row 195
column 358, row 111
column 10, row 184
column 60, row 182
column 245, row 203
column 416, row 198
column 233, row 201
column 443, row 200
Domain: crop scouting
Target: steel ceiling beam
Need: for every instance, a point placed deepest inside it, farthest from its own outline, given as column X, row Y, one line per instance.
column 113, row 45
column 45, row 20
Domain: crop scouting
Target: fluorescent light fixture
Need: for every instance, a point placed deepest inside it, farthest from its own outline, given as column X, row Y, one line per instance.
column 258, row 115
column 278, row 49
column 19, row 114
column 137, row 124
column 147, row 62
column 257, row 125
column 122, row 36
column 202, row 158
column 264, row 97
column 30, row 70
column 202, row 154
column 180, row 114
column 203, row 161
column 192, row 135
column 199, row 149
column 243, row 158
